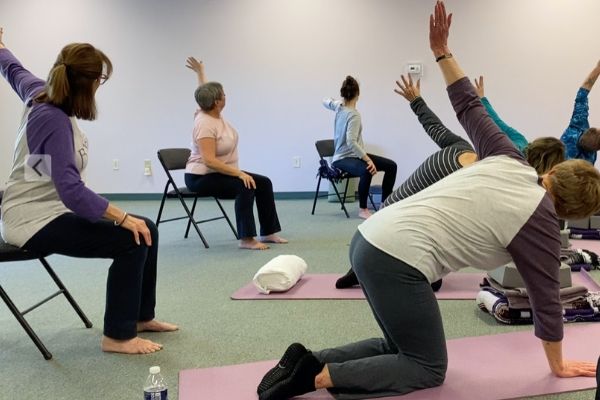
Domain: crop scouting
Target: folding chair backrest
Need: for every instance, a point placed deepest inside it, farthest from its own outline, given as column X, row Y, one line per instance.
column 325, row 148
column 174, row 159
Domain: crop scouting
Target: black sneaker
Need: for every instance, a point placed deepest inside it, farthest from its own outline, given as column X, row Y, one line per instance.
column 300, row 381
column 284, row 368
column 347, row 281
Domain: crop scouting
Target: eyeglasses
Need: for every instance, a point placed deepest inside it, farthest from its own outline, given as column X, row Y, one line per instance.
column 103, row 78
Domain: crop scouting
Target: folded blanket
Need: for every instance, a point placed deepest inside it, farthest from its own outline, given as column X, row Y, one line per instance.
column 517, row 298
column 279, row 274
column 582, row 233
column 583, row 309
column 579, row 259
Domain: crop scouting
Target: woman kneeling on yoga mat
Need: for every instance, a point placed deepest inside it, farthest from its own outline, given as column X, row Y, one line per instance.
column 495, row 211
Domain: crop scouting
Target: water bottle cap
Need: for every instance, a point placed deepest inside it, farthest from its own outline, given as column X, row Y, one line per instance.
column 155, row 370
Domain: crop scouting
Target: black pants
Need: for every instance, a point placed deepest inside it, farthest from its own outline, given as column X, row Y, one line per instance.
column 131, row 284
column 225, row 186
column 358, row 167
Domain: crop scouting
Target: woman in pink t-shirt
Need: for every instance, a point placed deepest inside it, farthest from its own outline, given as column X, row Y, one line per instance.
column 212, row 169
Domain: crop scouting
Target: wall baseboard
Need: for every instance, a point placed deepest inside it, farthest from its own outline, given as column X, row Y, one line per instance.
column 158, row 196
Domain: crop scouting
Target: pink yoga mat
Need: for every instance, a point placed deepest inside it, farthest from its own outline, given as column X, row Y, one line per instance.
column 456, row 286
column 496, row 367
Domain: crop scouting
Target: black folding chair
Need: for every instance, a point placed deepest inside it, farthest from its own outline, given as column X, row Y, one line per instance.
column 176, row 159
column 9, row 253
column 325, row 148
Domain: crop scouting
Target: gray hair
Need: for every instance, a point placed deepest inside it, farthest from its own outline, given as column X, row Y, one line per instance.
column 206, row 95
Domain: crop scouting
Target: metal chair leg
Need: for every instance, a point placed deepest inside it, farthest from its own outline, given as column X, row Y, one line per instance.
column 227, row 218
column 316, row 195
column 36, row 340
column 187, row 230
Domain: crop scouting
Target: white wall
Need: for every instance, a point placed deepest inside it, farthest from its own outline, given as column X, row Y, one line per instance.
column 278, row 58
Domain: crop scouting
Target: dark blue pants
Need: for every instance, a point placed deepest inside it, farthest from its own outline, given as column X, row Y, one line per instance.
column 229, row 187
column 131, row 283
column 358, row 167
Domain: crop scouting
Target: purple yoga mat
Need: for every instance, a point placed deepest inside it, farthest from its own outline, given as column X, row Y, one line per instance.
column 591, row 245
column 456, row 286
column 505, row 366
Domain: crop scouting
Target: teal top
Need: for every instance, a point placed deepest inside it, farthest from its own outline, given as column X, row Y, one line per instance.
column 514, row 135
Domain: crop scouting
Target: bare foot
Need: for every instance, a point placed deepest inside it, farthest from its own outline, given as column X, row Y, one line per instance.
column 273, row 238
column 364, row 213
column 252, row 244
column 156, row 326
column 137, row 345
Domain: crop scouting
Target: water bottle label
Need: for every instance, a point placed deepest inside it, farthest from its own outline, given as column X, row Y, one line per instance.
column 162, row 395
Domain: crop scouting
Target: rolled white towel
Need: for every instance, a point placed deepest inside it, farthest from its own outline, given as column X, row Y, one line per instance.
column 279, row 274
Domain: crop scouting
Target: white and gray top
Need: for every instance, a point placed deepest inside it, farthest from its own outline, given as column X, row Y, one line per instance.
column 483, row 216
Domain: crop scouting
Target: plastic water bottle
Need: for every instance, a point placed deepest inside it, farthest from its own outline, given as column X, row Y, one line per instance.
column 155, row 387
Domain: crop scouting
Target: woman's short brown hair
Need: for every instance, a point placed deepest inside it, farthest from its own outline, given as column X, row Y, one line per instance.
column 70, row 84
column 575, row 188
column 544, row 153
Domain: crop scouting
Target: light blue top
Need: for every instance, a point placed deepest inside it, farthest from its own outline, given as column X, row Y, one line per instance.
column 347, row 136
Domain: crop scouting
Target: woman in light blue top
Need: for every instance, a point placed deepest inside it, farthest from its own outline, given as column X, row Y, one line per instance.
column 350, row 155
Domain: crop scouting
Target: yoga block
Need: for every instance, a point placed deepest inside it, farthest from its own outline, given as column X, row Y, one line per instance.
column 579, row 223
column 509, row 277
column 564, row 239
column 595, row 222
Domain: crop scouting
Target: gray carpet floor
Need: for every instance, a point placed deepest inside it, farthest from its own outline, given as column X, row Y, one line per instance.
column 193, row 291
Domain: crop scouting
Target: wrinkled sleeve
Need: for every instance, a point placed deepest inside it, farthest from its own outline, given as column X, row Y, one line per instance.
column 331, row 104
column 577, row 125
column 23, row 82
column 487, row 138
column 535, row 251
column 57, row 143
column 434, row 127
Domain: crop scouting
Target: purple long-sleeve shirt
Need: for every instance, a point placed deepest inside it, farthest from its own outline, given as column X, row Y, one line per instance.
column 48, row 135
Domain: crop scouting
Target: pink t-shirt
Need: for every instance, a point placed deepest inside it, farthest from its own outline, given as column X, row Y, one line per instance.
column 226, row 138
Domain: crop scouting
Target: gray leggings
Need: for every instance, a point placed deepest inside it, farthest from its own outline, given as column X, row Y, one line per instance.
column 412, row 355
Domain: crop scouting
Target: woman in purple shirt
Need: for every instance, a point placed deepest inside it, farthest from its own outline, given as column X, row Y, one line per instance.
column 48, row 209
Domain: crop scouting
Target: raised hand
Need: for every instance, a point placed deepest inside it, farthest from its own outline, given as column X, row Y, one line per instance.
column 439, row 29
column 407, row 89
column 1, row 43
column 479, row 87
column 198, row 68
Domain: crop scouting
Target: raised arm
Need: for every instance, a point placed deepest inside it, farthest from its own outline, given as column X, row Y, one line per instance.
column 485, row 135
column 591, row 78
column 331, row 104
column 198, row 68
column 23, row 82
column 489, row 140
column 514, row 135
column 434, row 127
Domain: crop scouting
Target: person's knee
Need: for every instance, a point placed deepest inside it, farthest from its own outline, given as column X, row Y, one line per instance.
column 151, row 227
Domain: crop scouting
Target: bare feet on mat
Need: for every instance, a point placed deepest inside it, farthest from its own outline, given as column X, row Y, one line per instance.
column 252, row 244
column 137, row 345
column 364, row 213
column 273, row 238
column 156, row 326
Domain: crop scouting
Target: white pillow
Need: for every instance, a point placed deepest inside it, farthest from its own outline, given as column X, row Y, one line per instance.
column 279, row 274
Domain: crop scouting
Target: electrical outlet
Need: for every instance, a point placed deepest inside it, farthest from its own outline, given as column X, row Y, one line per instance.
column 147, row 167
column 115, row 164
column 296, row 162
